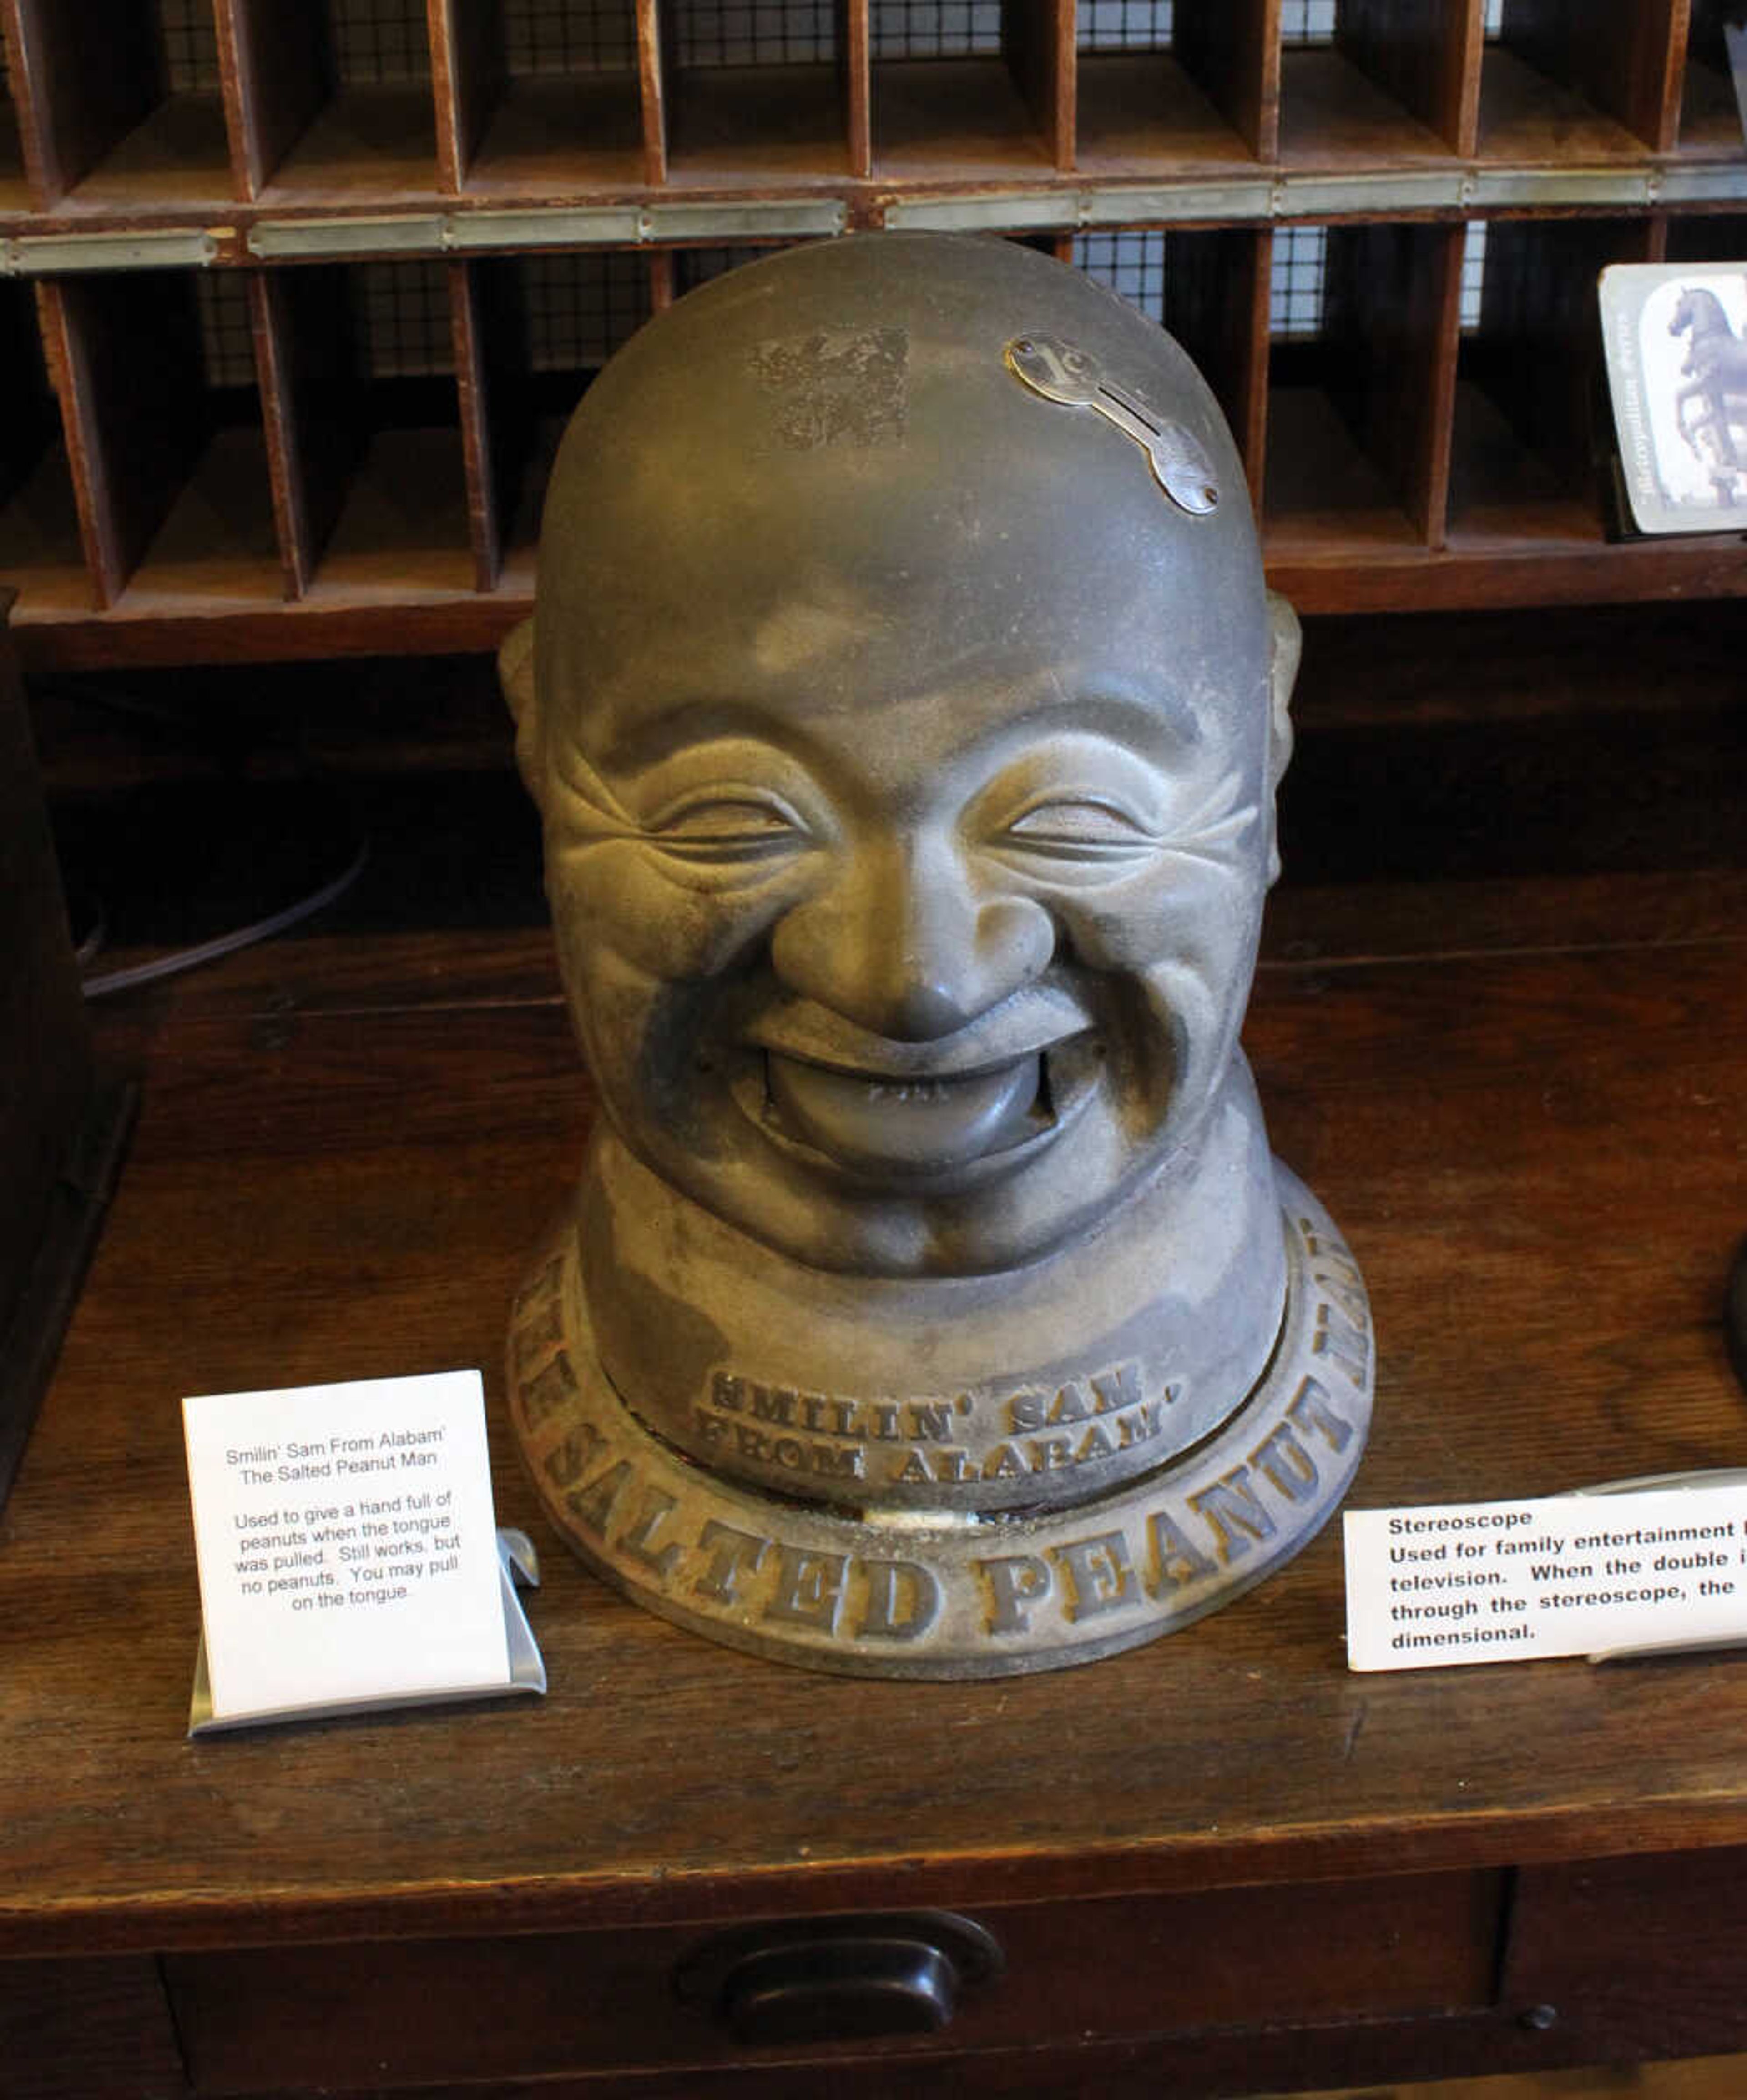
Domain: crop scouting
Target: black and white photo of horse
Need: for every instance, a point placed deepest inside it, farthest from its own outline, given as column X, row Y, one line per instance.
column 1710, row 404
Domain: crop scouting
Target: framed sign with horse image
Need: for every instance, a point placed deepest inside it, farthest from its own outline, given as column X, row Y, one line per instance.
column 1676, row 339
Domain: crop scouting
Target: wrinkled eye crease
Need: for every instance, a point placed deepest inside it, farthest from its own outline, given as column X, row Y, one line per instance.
column 1082, row 826
column 749, row 826
column 730, row 827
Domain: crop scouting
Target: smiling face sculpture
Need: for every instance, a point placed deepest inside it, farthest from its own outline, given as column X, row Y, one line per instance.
column 904, row 709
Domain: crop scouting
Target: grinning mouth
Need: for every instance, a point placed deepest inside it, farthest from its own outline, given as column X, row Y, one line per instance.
column 910, row 1125
column 924, row 1130
column 980, row 1100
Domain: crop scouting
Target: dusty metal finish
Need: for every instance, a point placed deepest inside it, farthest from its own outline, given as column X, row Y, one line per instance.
column 907, row 765
column 879, row 1595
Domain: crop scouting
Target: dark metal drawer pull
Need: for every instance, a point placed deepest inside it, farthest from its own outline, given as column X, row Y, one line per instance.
column 839, row 1978
column 840, row 1990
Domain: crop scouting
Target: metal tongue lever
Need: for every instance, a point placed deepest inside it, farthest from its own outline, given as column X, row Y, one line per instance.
column 1061, row 373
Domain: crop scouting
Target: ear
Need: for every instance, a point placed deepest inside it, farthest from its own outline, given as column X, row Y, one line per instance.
column 1285, row 646
column 516, row 674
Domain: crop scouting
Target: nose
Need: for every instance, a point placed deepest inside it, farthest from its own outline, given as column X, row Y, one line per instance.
column 900, row 942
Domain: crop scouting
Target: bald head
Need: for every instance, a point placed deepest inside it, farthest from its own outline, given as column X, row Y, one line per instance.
column 832, row 452
column 898, row 708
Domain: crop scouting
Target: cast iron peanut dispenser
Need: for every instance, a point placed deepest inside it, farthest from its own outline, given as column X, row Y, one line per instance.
column 906, row 708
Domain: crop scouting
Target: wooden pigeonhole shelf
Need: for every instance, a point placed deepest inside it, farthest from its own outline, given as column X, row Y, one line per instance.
column 298, row 293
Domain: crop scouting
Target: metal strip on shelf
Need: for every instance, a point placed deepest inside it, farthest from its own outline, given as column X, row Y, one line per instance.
column 1541, row 186
column 581, row 225
column 1166, row 203
column 777, row 219
column 1723, row 181
column 1327, row 196
column 1066, row 208
column 1028, row 211
column 1258, row 197
column 290, row 240
column 44, row 254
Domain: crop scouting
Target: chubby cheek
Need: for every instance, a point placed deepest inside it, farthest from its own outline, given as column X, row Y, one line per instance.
column 617, row 895
column 1183, row 936
column 644, row 1041
column 1193, row 916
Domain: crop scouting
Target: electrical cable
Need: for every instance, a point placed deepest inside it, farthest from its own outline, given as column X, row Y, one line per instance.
column 106, row 982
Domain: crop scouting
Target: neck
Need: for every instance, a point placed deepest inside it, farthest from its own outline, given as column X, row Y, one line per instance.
column 1044, row 1383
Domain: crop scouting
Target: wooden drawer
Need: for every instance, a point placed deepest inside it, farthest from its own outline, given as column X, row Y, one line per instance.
column 1636, row 1957
column 95, row 2028
column 422, row 2012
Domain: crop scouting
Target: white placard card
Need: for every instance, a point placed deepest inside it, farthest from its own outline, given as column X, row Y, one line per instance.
column 347, row 1553
column 1581, row 1574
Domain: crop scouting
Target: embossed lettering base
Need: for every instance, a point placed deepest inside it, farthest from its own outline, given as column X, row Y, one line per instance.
column 966, row 1596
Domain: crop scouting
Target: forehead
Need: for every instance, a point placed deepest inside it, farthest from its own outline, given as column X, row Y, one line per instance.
column 957, row 540
column 969, row 596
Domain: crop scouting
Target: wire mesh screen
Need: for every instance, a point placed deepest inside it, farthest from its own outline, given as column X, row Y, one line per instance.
column 1473, row 274
column 714, row 32
column 693, row 266
column 582, row 307
column 1117, row 25
column 191, row 45
column 569, row 35
column 379, row 42
column 1131, row 264
column 1295, row 287
column 226, row 338
column 1306, row 21
column 404, row 319
column 1126, row 25
column 934, row 29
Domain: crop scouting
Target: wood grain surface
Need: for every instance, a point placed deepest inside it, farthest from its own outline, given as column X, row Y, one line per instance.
column 1535, row 1143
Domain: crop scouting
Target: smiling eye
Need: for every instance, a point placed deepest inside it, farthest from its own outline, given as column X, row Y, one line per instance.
column 1079, row 829
column 729, row 828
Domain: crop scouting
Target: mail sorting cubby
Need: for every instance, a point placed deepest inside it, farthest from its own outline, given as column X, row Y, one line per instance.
column 1719, row 238
column 1579, row 81
column 163, row 415
column 534, row 331
column 544, row 95
column 40, row 548
column 1710, row 117
column 1176, row 89
column 764, row 90
column 1530, row 426
column 331, row 100
column 1362, row 333
column 1353, row 88
column 971, row 88
column 360, row 365
column 15, row 191
column 124, row 107
column 1326, row 348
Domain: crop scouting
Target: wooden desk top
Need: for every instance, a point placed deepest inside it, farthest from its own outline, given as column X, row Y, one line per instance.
column 1525, row 1104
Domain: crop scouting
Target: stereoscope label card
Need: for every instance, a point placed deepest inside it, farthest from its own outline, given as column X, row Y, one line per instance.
column 1676, row 340
column 1594, row 1575
column 346, row 1549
